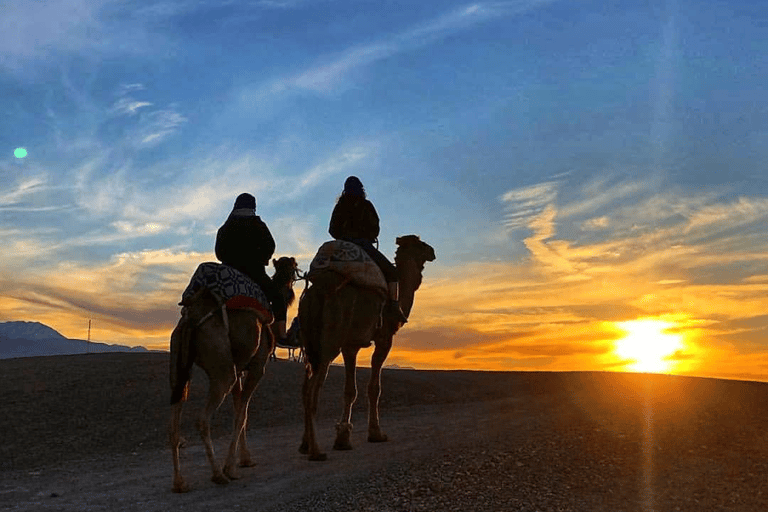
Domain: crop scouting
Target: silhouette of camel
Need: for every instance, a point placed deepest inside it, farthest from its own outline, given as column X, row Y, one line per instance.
column 292, row 343
column 339, row 317
column 232, row 347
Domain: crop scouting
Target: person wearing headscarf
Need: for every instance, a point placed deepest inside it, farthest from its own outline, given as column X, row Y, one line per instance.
column 354, row 219
column 245, row 243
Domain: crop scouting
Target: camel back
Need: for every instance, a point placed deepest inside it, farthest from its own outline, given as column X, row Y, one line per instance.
column 349, row 260
column 231, row 287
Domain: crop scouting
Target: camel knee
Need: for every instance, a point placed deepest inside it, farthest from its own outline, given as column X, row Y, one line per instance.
column 203, row 428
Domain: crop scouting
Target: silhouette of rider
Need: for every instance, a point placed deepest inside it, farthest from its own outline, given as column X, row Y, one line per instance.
column 354, row 219
column 245, row 243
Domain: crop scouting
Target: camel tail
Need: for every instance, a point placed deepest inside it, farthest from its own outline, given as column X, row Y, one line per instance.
column 311, row 322
column 181, row 362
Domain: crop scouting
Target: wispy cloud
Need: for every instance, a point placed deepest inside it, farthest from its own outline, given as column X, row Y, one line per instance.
column 526, row 203
column 35, row 29
column 331, row 72
column 24, row 189
column 157, row 126
column 129, row 106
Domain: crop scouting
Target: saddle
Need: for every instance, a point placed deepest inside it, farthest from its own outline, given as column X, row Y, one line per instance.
column 350, row 261
column 232, row 289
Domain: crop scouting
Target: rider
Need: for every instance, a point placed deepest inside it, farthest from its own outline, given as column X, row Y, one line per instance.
column 245, row 243
column 354, row 219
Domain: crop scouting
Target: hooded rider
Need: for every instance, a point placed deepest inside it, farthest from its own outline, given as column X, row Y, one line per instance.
column 245, row 243
column 354, row 219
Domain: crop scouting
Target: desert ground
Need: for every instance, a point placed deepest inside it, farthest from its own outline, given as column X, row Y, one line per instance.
column 89, row 433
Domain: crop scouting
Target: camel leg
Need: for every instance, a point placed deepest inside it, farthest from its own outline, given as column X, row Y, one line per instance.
column 241, row 395
column 218, row 387
column 344, row 426
column 380, row 353
column 237, row 403
column 175, row 436
column 313, row 381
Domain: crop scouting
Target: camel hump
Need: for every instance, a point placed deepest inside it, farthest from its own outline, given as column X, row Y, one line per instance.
column 230, row 287
column 350, row 261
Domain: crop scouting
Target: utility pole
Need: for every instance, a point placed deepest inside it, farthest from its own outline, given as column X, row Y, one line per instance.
column 88, row 346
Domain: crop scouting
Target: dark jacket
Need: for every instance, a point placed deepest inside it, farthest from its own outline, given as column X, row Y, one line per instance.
column 245, row 243
column 354, row 218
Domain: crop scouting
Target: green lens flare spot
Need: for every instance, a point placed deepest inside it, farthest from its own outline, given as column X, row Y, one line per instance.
column 20, row 153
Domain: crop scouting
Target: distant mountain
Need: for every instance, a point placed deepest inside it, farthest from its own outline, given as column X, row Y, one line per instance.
column 28, row 339
column 28, row 331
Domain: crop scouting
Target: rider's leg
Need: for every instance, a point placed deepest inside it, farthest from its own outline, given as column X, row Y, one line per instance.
column 393, row 306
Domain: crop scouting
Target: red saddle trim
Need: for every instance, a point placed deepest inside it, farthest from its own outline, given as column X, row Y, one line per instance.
column 243, row 302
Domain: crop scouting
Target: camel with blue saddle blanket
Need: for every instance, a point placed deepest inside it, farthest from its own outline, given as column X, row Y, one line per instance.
column 224, row 329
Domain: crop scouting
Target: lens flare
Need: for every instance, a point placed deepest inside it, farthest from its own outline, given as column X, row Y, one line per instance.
column 20, row 153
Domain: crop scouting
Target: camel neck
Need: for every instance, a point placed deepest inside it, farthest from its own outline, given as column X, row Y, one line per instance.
column 409, row 279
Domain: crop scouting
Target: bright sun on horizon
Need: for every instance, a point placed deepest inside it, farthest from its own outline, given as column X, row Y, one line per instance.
column 648, row 345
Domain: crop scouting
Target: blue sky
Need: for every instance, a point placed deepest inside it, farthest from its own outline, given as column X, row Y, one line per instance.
column 572, row 163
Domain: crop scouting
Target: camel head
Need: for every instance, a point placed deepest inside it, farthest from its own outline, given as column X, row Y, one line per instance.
column 285, row 268
column 286, row 272
column 410, row 257
column 285, row 262
column 411, row 246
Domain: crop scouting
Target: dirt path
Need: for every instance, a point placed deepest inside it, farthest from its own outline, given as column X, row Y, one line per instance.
column 87, row 434
column 142, row 481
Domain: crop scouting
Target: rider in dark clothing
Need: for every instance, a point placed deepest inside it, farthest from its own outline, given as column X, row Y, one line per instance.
column 354, row 219
column 245, row 243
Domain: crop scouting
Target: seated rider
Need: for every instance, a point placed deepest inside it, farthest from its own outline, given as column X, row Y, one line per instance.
column 245, row 243
column 354, row 219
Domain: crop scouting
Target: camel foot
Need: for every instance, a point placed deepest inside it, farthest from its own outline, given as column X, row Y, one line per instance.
column 318, row 457
column 304, row 448
column 180, row 487
column 220, row 479
column 342, row 445
column 231, row 473
column 247, row 463
column 377, row 438
column 343, row 434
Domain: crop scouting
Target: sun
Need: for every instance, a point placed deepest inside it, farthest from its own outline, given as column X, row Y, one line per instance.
column 648, row 345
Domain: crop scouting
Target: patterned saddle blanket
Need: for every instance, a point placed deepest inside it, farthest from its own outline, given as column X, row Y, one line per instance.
column 232, row 287
column 351, row 261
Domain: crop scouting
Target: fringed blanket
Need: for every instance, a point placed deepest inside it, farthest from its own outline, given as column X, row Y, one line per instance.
column 234, row 288
column 349, row 260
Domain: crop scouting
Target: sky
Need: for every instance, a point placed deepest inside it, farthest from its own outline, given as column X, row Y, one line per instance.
column 592, row 175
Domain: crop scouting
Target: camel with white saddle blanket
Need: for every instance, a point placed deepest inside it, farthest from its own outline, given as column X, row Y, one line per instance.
column 340, row 313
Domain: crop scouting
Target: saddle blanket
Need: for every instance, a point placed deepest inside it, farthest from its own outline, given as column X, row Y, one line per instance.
column 235, row 289
column 349, row 260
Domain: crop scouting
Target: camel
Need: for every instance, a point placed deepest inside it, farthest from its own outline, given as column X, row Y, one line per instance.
column 291, row 344
column 337, row 317
column 232, row 347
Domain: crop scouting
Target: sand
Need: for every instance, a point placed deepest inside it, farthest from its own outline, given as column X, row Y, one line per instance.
column 89, row 433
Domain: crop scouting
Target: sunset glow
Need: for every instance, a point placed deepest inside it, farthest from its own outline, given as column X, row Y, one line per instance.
column 648, row 345
column 591, row 176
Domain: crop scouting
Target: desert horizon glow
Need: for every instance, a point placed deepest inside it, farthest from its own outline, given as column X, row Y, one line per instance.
column 576, row 167
column 648, row 345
